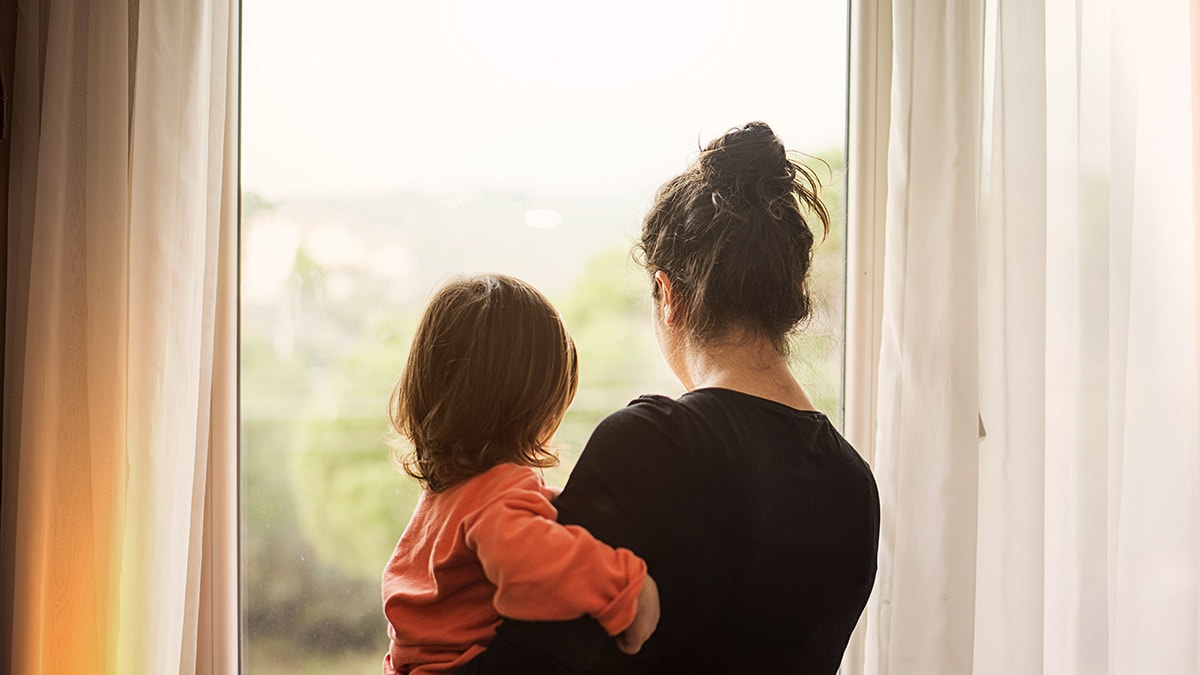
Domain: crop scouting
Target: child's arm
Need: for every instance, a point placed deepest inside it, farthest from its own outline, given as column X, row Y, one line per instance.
column 544, row 571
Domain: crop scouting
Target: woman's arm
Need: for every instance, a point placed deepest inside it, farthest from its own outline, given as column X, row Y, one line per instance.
column 539, row 647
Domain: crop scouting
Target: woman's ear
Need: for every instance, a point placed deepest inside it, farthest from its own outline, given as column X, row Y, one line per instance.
column 667, row 301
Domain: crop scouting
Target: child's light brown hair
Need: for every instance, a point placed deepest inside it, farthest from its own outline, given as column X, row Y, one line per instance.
column 489, row 376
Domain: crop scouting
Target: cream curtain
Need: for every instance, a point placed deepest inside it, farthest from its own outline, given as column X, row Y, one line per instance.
column 1040, row 205
column 119, row 546
column 921, row 618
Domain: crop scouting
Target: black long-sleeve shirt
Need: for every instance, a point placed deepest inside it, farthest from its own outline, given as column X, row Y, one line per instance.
column 759, row 523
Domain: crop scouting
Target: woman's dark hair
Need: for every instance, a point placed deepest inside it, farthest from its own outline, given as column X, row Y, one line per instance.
column 490, row 373
column 731, row 234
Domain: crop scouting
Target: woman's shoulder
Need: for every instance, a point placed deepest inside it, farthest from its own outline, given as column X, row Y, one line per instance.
column 648, row 418
column 660, row 409
column 706, row 408
column 652, row 437
column 695, row 415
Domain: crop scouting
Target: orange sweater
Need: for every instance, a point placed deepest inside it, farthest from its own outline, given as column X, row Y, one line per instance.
column 490, row 547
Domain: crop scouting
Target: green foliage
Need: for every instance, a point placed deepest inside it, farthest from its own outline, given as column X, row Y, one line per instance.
column 356, row 502
column 322, row 505
column 607, row 311
column 288, row 596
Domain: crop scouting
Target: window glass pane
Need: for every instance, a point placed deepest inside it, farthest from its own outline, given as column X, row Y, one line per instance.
column 389, row 144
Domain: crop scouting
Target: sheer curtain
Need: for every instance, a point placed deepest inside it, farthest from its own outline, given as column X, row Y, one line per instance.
column 119, row 541
column 927, row 382
column 1040, row 185
column 1122, row 523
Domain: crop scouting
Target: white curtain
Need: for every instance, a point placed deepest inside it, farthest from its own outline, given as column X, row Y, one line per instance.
column 1122, row 471
column 927, row 394
column 119, row 547
column 1040, row 185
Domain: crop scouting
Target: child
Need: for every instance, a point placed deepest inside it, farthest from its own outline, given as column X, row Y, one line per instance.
column 490, row 375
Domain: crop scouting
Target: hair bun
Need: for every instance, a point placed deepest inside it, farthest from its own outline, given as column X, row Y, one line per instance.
column 751, row 158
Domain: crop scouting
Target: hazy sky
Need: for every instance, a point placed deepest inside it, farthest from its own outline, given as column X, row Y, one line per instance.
column 560, row 96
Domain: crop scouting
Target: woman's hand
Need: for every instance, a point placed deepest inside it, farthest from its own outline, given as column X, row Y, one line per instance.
column 646, row 620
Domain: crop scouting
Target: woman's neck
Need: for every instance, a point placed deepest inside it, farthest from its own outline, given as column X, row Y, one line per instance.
column 750, row 366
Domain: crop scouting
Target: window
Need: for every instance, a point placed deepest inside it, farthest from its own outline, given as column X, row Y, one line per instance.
column 387, row 145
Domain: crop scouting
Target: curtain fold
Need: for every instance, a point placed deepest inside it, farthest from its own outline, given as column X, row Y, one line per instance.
column 1012, row 348
column 1078, row 302
column 870, row 85
column 67, row 217
column 122, row 339
column 921, row 616
column 218, row 626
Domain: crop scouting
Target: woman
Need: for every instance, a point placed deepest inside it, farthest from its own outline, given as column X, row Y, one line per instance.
column 757, row 519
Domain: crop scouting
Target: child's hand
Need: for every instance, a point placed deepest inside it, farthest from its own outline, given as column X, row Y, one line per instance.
column 645, row 622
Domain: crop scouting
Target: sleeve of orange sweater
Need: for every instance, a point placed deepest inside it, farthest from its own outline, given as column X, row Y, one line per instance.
column 544, row 571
